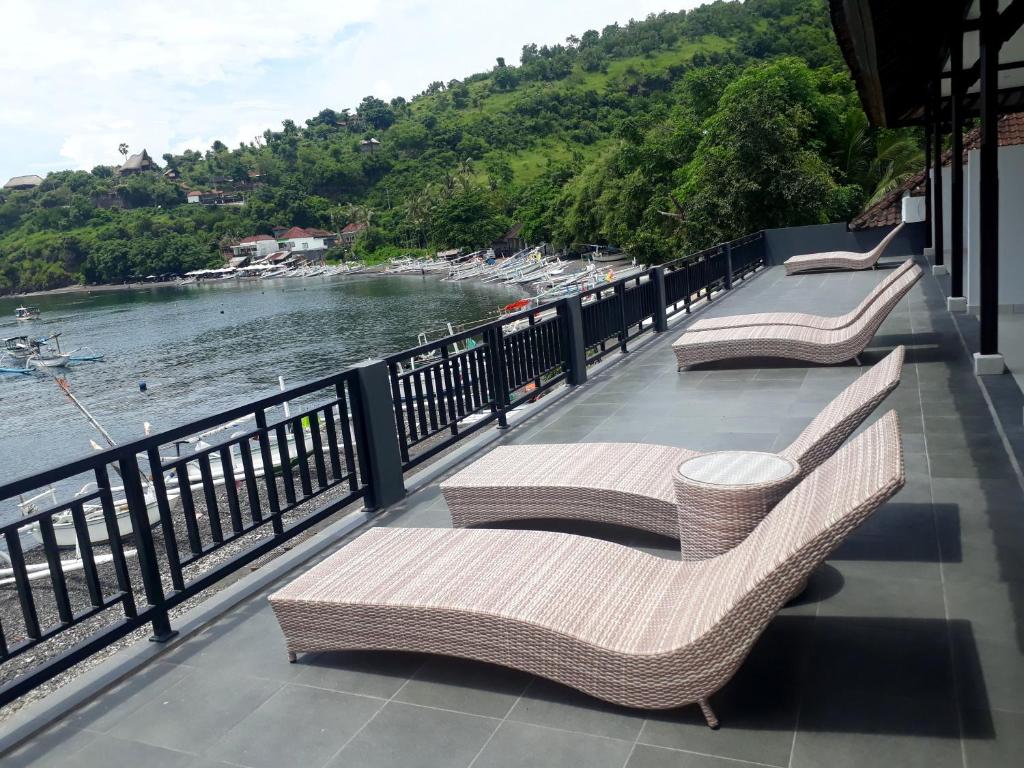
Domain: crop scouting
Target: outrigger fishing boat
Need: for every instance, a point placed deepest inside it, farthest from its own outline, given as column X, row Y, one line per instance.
column 28, row 353
column 64, row 526
column 27, row 313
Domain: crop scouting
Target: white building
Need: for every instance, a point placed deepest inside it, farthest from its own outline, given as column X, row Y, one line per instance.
column 299, row 239
column 255, row 247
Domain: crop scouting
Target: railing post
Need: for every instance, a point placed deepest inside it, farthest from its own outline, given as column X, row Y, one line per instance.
column 620, row 294
column 728, row 266
column 573, row 341
column 135, row 498
column 660, row 300
column 373, row 416
column 499, row 381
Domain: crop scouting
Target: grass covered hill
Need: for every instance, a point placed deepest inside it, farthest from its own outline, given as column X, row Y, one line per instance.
column 659, row 136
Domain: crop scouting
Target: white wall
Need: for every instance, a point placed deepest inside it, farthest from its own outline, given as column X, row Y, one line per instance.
column 1011, row 227
column 305, row 243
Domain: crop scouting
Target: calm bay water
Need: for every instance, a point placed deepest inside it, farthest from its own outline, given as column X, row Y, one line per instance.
column 201, row 349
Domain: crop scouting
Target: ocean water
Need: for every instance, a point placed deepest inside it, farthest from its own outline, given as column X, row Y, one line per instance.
column 202, row 349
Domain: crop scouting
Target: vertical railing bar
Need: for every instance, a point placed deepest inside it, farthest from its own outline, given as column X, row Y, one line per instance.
column 227, row 462
column 269, row 481
column 124, row 584
column 344, row 425
column 166, row 520
column 188, row 507
column 332, row 440
column 396, row 398
column 22, row 585
column 449, row 387
column 417, row 382
column 92, row 578
column 210, row 494
column 57, row 580
column 317, row 445
column 302, row 457
column 410, row 406
column 287, row 471
column 251, row 488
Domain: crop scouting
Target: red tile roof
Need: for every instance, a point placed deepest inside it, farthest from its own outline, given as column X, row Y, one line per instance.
column 350, row 228
column 294, row 232
column 889, row 210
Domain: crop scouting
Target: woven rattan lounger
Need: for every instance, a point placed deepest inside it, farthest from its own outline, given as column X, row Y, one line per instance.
column 614, row 622
column 844, row 260
column 822, row 322
column 794, row 342
column 630, row 484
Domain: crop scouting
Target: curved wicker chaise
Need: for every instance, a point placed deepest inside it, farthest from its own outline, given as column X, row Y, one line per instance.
column 821, row 322
column 794, row 342
column 630, row 484
column 614, row 622
column 807, row 262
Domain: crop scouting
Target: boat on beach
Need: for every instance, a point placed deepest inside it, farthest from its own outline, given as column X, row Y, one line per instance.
column 95, row 520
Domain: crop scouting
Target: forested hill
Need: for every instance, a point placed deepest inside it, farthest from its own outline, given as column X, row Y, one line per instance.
column 659, row 136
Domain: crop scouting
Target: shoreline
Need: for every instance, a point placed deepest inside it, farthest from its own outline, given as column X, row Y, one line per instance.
column 114, row 287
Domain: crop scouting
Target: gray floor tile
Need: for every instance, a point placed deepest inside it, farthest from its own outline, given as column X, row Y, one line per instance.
column 416, row 737
column 519, row 745
column 365, row 673
column 297, row 726
column 248, row 641
column 465, row 686
column 106, row 751
column 53, row 747
column 853, row 731
column 196, row 712
column 993, row 739
column 556, row 706
column 109, row 707
column 656, row 757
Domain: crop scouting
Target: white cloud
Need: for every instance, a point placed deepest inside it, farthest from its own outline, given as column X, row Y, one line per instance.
column 77, row 78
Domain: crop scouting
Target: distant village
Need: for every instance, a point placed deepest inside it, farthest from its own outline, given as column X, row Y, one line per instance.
column 284, row 246
column 288, row 245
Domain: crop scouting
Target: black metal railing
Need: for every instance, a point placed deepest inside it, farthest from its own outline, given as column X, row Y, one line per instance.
column 245, row 476
column 445, row 390
column 144, row 519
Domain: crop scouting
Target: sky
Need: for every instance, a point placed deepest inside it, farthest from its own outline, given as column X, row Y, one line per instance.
column 78, row 77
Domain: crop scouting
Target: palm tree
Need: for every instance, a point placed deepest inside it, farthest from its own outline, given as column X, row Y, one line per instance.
column 898, row 156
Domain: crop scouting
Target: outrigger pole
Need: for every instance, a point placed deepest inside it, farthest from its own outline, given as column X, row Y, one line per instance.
column 65, row 387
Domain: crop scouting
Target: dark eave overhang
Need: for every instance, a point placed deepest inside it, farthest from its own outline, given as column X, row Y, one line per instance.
column 893, row 50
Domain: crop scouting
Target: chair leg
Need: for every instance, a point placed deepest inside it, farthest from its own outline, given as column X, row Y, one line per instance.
column 709, row 714
column 292, row 658
column 856, row 359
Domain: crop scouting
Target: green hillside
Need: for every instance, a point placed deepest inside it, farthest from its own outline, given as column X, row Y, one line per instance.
column 661, row 135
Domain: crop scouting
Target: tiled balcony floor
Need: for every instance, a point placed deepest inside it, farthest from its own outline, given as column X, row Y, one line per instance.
column 906, row 650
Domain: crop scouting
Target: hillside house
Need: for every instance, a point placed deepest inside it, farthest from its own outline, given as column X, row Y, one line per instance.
column 311, row 243
column 370, row 145
column 509, row 243
column 21, row 183
column 255, row 247
column 347, row 237
column 214, row 197
column 138, row 163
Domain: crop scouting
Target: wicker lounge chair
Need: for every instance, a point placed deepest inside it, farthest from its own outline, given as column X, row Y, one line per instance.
column 614, row 622
column 844, row 260
column 630, row 484
column 821, row 322
column 794, row 342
